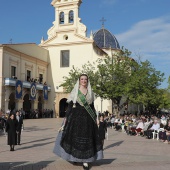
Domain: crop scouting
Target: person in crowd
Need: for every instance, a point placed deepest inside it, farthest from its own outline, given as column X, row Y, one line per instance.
column 19, row 127
column 107, row 119
column 146, row 125
column 163, row 120
column 112, row 119
column 134, row 118
column 118, row 123
column 139, row 127
column 102, row 128
column 128, row 122
column 155, row 127
column 78, row 140
column 11, row 129
column 167, row 132
column 162, row 133
column 23, row 113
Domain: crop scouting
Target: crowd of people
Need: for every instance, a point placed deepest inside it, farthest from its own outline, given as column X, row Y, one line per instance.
column 11, row 123
column 145, row 125
column 13, row 126
column 31, row 114
column 36, row 113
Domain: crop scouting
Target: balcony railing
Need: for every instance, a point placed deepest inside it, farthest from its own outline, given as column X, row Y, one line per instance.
column 26, row 84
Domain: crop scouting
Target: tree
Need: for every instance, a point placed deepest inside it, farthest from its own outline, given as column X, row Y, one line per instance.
column 120, row 75
column 74, row 74
column 108, row 79
column 143, row 85
column 112, row 76
column 169, row 83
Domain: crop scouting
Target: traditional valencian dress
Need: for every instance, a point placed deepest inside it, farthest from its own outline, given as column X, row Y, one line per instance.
column 79, row 141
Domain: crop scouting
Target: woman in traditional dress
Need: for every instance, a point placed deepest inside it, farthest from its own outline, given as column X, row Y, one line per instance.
column 79, row 139
column 11, row 129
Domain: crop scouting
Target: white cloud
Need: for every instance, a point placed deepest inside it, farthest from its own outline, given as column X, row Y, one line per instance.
column 148, row 36
column 150, row 39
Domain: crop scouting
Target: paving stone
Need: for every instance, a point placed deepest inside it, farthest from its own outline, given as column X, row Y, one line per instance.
column 121, row 152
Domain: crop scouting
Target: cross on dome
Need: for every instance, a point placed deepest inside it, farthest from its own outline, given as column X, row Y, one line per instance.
column 102, row 20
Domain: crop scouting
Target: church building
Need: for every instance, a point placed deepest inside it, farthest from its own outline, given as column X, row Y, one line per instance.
column 67, row 45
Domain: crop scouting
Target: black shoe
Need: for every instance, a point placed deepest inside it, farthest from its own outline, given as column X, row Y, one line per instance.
column 75, row 163
column 10, row 149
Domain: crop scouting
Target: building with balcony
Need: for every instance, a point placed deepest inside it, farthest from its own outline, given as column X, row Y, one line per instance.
column 27, row 63
column 67, row 45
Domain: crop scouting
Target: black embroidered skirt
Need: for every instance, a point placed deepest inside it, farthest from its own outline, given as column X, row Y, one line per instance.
column 80, row 140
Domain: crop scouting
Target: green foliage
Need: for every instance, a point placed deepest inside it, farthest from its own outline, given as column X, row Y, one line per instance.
column 144, row 83
column 164, row 99
column 120, row 75
column 169, row 83
column 75, row 73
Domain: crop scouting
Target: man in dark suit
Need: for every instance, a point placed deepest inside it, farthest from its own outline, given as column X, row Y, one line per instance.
column 19, row 127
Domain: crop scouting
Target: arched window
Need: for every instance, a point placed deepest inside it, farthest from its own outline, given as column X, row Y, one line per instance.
column 71, row 16
column 61, row 19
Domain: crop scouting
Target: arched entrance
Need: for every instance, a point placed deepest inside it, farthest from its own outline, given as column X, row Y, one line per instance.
column 27, row 105
column 11, row 104
column 40, row 106
column 63, row 107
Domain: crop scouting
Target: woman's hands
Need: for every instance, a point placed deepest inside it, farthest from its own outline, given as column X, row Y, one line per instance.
column 62, row 127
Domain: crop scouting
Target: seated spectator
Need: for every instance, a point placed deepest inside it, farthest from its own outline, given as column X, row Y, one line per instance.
column 128, row 123
column 139, row 127
column 146, row 126
column 119, row 124
column 162, row 133
column 116, row 121
column 155, row 127
column 163, row 120
column 112, row 121
column 167, row 134
column 107, row 119
column 134, row 118
column 132, row 127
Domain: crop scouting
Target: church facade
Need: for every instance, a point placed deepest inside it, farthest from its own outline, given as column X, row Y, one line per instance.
column 67, row 45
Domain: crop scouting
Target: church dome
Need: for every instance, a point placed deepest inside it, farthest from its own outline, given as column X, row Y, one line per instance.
column 104, row 39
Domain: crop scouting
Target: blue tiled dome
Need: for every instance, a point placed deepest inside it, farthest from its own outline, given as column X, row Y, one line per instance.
column 104, row 39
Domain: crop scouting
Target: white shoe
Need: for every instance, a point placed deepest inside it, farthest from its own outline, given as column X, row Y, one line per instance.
column 85, row 166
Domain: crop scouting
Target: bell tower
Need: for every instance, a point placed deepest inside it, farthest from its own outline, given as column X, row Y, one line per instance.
column 66, row 18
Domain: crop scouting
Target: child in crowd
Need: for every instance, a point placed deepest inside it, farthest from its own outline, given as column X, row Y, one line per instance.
column 102, row 128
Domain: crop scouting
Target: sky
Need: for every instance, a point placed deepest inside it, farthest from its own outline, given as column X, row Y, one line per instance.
column 141, row 26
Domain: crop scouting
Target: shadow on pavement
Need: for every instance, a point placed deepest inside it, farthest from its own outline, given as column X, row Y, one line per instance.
column 34, row 128
column 93, row 164
column 113, row 145
column 24, row 165
column 35, row 145
column 40, row 140
column 102, row 162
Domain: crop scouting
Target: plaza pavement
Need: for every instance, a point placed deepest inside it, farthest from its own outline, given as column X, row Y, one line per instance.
column 121, row 152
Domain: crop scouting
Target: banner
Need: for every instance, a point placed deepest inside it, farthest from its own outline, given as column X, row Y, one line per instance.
column 33, row 91
column 18, row 89
column 45, row 91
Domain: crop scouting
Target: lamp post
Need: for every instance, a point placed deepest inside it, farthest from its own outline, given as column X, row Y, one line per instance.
column 112, row 72
column 101, row 105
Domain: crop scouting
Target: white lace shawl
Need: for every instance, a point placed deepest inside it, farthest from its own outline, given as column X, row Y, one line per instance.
column 74, row 93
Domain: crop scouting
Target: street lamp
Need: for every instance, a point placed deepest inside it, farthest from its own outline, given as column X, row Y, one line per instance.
column 101, row 105
column 112, row 71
